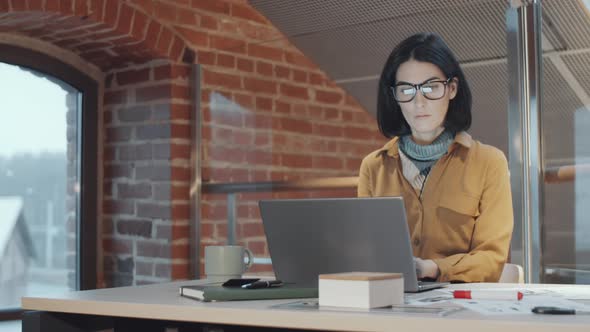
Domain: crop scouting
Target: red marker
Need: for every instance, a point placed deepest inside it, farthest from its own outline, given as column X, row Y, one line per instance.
column 478, row 294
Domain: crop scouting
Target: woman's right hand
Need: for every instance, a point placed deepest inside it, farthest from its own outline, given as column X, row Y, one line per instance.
column 426, row 268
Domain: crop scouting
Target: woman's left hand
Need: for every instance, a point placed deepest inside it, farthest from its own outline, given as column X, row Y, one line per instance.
column 426, row 268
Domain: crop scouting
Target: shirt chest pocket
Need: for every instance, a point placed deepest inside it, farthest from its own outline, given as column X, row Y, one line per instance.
column 456, row 216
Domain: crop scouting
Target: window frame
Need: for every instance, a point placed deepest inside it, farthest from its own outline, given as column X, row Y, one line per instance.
column 86, row 223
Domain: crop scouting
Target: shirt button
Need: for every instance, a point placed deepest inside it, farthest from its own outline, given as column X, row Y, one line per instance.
column 416, row 242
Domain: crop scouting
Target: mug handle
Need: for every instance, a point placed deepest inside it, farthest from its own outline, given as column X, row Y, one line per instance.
column 250, row 258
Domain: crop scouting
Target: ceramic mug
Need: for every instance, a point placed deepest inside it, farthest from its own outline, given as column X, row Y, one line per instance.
column 226, row 262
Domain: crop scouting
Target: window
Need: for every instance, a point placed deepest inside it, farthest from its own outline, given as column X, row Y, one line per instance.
column 47, row 177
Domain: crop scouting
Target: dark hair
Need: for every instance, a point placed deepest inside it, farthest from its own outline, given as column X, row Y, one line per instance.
column 425, row 47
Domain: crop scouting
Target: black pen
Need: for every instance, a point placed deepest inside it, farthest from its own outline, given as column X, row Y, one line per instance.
column 558, row 311
column 263, row 284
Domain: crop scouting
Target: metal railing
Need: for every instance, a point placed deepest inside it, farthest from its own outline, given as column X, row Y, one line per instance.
column 232, row 189
column 551, row 175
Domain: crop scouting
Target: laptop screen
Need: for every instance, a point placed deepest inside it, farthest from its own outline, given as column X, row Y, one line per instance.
column 308, row 237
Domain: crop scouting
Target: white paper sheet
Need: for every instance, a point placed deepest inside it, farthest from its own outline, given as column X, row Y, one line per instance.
column 524, row 306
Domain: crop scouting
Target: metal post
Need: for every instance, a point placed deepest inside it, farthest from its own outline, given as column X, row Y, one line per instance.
column 523, row 20
column 231, row 218
column 195, row 189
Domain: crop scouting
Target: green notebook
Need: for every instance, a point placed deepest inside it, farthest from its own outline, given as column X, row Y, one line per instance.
column 219, row 293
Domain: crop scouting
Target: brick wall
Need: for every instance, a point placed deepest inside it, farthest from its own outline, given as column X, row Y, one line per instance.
column 147, row 145
column 268, row 114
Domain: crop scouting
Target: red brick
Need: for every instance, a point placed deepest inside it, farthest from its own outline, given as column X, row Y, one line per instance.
column 221, row 79
column 125, row 18
column 353, row 164
column 228, row 27
column 247, row 12
column 258, row 121
column 264, row 68
column 177, row 49
column 282, row 72
column 327, row 130
column 66, row 6
column 326, row 162
column 186, row 17
column 265, row 52
column 165, row 41
column 179, row 192
column 140, row 22
column 220, row 7
column 229, row 154
column 206, row 58
column 294, row 91
column 316, row 79
column 111, row 12
column 214, row 212
column 260, row 158
column 115, row 97
column 296, row 160
column 208, row 22
column 180, row 130
column 296, row 125
column 180, row 231
column 226, row 60
column 152, row 249
column 17, row 5
column 328, row 97
column 331, row 114
column 264, row 104
column 153, row 33
column 282, row 107
column 133, row 76
column 300, row 76
column 117, row 246
column 251, row 230
column 180, row 92
column 34, row 5
column 180, row 112
column 147, row 5
column 194, row 37
column 245, row 65
column 151, row 93
column 228, row 44
column 244, row 100
column 53, row 6
column 299, row 60
column 165, row 12
column 80, row 7
column 358, row 133
column 260, row 86
column 181, row 211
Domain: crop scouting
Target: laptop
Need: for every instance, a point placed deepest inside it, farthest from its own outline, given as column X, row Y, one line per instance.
column 308, row 237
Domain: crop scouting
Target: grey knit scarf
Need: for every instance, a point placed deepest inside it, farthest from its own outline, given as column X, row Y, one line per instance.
column 425, row 156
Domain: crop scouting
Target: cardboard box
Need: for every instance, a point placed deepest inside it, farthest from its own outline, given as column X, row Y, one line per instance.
column 361, row 289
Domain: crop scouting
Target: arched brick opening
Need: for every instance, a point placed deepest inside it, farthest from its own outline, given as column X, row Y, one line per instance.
column 144, row 127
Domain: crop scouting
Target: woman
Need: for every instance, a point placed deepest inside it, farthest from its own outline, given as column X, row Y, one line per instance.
column 456, row 190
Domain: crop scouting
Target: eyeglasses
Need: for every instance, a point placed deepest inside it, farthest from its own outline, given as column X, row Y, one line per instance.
column 432, row 90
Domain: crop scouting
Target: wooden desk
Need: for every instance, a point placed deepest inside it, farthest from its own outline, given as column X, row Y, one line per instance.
column 156, row 307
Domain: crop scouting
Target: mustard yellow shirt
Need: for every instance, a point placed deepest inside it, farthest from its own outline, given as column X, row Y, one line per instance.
column 464, row 219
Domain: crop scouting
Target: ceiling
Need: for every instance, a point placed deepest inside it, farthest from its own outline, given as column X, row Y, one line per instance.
column 351, row 39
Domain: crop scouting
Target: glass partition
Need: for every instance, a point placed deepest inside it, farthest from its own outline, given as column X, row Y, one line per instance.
column 281, row 110
column 565, row 120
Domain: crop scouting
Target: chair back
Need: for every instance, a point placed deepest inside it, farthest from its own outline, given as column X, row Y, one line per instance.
column 512, row 273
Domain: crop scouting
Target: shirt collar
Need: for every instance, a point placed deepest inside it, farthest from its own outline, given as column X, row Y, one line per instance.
column 392, row 150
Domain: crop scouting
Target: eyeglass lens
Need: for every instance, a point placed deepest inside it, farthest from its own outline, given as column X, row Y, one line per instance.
column 430, row 90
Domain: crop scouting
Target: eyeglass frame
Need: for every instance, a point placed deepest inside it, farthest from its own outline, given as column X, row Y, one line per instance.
column 418, row 87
